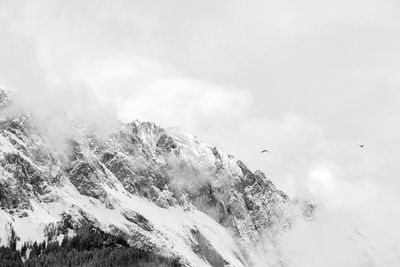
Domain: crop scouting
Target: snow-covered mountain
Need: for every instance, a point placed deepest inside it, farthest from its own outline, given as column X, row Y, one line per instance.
column 161, row 190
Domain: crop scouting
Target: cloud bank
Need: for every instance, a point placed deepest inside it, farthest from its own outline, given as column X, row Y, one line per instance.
column 309, row 81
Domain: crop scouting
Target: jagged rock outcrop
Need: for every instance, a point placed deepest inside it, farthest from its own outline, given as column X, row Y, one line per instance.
column 162, row 190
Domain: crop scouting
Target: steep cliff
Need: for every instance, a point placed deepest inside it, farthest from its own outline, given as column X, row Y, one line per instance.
column 160, row 190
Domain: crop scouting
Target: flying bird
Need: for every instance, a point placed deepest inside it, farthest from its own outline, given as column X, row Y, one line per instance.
column 361, row 146
column 265, row 151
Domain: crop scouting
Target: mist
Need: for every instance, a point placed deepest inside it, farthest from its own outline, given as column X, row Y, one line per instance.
column 325, row 239
column 309, row 81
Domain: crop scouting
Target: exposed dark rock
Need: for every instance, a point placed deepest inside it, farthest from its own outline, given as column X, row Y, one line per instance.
column 140, row 160
column 138, row 219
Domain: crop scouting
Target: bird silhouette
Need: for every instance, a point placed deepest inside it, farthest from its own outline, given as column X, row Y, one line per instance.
column 265, row 151
column 361, row 146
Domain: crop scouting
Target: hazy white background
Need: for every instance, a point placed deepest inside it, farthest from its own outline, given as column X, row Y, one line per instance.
column 308, row 80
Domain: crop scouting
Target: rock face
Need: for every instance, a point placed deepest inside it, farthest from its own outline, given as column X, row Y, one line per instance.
column 162, row 190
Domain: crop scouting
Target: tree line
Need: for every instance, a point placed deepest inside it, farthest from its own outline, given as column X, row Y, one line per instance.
column 88, row 247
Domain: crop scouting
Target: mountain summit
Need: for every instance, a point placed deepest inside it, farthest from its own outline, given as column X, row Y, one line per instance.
column 139, row 196
column 159, row 190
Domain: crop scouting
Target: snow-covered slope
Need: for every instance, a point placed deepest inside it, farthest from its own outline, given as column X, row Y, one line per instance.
column 162, row 190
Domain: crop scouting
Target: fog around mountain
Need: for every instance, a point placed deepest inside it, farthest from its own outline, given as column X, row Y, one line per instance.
column 308, row 81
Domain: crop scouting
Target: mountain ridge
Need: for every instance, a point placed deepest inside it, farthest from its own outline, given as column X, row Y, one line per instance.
column 132, row 182
column 142, row 195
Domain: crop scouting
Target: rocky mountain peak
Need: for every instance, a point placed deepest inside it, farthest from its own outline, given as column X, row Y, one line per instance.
column 150, row 185
column 157, row 191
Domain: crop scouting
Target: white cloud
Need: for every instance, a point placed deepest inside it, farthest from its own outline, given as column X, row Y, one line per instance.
column 306, row 80
column 324, row 241
column 187, row 103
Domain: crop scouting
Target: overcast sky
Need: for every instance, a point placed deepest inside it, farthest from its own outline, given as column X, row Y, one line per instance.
column 308, row 80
